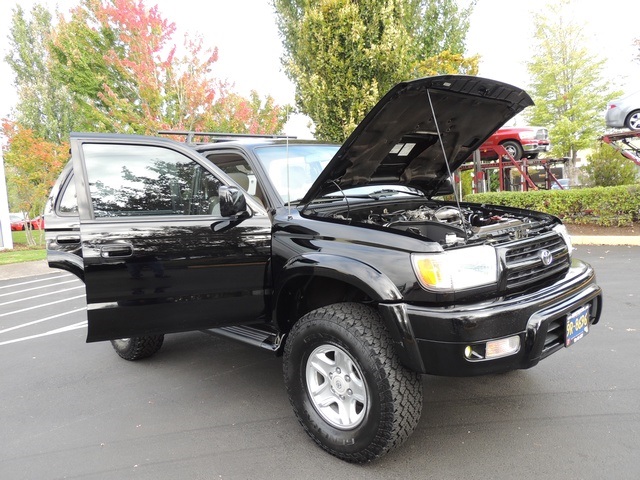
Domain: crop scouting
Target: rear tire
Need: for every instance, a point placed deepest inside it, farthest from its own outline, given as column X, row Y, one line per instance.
column 633, row 120
column 136, row 348
column 346, row 384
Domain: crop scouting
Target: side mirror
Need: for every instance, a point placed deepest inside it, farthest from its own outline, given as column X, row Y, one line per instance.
column 232, row 201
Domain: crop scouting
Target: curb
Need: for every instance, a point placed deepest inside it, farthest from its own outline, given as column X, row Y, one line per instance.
column 605, row 240
column 26, row 269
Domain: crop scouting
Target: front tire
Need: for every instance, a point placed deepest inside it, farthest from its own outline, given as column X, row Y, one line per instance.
column 136, row 348
column 513, row 148
column 346, row 384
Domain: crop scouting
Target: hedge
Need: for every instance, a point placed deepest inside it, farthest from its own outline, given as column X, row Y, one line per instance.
column 605, row 206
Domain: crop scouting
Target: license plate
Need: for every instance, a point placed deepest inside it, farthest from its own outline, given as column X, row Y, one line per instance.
column 577, row 325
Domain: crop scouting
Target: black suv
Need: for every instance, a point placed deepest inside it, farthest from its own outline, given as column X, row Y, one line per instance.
column 344, row 259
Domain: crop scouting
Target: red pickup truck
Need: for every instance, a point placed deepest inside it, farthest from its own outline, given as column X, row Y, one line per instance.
column 519, row 142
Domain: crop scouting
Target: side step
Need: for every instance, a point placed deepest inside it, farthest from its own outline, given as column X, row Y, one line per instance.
column 257, row 337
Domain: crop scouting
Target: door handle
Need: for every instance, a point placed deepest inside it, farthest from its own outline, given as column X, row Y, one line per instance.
column 65, row 239
column 116, row 250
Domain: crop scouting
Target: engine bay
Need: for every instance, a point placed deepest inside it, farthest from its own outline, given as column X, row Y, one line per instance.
column 449, row 225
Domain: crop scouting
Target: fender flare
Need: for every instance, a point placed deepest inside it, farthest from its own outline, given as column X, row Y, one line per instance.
column 371, row 281
column 66, row 261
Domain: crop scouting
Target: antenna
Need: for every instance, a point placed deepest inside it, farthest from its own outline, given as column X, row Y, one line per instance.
column 446, row 162
column 288, row 186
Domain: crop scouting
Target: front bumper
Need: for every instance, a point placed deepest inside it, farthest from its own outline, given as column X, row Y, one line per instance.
column 433, row 340
column 536, row 147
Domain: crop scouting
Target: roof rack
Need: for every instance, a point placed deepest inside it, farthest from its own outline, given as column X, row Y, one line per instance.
column 217, row 136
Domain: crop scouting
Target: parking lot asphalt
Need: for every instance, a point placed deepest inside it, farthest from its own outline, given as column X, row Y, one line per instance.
column 40, row 267
column 207, row 407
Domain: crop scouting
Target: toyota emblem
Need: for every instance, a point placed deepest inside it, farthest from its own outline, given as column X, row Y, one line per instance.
column 546, row 257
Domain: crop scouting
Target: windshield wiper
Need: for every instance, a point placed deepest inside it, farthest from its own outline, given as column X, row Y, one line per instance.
column 377, row 195
column 389, row 192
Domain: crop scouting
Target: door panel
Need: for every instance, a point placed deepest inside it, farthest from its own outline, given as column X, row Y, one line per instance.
column 153, row 263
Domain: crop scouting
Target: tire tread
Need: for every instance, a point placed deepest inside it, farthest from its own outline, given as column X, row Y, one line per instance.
column 400, row 389
column 139, row 347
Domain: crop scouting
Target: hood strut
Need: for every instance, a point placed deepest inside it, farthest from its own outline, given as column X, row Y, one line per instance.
column 446, row 162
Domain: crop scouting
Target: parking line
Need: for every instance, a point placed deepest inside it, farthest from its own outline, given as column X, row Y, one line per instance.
column 34, row 281
column 41, row 295
column 28, row 324
column 41, row 305
column 36, row 288
column 68, row 328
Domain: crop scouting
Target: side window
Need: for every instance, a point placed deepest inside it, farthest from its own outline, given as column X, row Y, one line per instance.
column 132, row 180
column 204, row 195
column 240, row 172
column 68, row 205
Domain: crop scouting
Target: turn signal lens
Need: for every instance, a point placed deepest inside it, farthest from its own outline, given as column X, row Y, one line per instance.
column 502, row 347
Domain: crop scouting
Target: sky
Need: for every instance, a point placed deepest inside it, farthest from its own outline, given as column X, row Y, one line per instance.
column 245, row 32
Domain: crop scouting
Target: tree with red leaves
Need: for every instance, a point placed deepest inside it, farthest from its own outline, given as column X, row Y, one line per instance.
column 117, row 59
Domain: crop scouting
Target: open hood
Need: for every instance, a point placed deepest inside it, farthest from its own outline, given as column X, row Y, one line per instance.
column 397, row 142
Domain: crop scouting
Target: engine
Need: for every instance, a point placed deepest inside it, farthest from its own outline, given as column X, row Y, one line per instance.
column 450, row 225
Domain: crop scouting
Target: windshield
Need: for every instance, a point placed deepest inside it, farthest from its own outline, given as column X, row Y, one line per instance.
column 305, row 162
column 292, row 169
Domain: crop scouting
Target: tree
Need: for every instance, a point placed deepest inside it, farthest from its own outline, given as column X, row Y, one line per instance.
column 235, row 113
column 607, row 168
column 437, row 26
column 567, row 84
column 341, row 65
column 44, row 103
column 117, row 58
column 108, row 53
column 343, row 55
column 447, row 63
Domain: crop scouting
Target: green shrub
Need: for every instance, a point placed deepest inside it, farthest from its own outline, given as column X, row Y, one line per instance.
column 607, row 168
column 605, row 206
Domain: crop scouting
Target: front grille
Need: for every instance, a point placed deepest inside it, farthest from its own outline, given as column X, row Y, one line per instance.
column 555, row 336
column 542, row 134
column 524, row 265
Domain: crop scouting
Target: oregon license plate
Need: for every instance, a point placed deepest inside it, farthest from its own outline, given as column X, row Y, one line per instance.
column 577, row 325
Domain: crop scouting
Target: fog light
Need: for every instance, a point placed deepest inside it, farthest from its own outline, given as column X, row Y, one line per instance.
column 474, row 353
column 502, row 347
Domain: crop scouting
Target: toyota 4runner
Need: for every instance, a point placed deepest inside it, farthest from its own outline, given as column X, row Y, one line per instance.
column 345, row 259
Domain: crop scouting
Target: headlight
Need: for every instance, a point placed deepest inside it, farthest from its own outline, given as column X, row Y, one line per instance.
column 527, row 134
column 562, row 230
column 455, row 270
